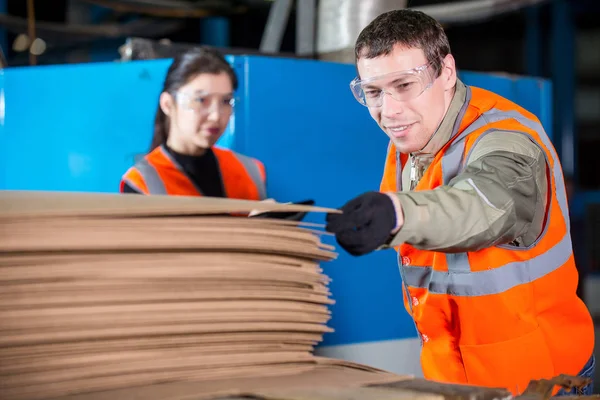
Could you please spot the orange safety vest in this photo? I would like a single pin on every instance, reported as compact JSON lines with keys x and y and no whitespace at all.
{"x":158,"y":173}
{"x":500,"y":316}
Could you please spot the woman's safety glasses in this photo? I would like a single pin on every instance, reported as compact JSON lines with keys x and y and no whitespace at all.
{"x":401,"y":85}
{"x":205,"y":103}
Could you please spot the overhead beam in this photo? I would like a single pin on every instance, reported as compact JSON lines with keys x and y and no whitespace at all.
{"x":305,"y":27}
{"x":277,"y":20}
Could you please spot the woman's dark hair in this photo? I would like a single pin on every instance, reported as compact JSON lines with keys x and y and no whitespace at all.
{"x":185,"y":67}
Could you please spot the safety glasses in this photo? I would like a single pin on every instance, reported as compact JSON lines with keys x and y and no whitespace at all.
{"x":400,"y":85}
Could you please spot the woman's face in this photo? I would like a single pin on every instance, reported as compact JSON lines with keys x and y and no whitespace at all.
{"x":199,"y":112}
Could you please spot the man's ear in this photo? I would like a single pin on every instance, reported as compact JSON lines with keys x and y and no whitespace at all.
{"x":448,"y":73}
{"x":166,"y":102}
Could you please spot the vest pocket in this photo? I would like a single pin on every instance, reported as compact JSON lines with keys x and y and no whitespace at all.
{"x":509,"y":364}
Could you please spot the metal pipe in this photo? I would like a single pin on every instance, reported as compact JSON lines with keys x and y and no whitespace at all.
{"x":340,"y":21}
{"x":474,"y":10}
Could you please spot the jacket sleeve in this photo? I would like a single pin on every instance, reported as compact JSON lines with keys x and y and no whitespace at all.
{"x":499,"y":198}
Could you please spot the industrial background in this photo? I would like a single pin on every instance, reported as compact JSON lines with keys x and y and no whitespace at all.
{"x":80,"y":81}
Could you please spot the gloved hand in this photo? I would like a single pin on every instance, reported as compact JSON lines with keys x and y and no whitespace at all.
{"x":366,"y":224}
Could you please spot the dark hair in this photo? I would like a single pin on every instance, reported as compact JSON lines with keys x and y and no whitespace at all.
{"x":185,"y":67}
{"x":406,"y":27}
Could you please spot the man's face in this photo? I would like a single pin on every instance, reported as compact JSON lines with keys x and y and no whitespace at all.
{"x":408,"y":121}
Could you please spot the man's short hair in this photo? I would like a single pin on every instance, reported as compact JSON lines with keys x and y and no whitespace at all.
{"x":407,"y":28}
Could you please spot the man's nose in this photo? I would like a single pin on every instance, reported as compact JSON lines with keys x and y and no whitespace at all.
{"x":390,"y":106}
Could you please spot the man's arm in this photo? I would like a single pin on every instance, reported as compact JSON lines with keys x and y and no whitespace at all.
{"x":500,"y":197}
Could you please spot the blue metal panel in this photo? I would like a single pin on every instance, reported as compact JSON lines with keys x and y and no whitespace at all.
{"x":77,"y":126}
{"x":80,"y":127}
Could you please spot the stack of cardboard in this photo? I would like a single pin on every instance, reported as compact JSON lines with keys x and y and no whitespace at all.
{"x":127,"y":297}
{"x":100,"y":292}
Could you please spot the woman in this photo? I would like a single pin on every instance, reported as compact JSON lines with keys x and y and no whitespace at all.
{"x":194,"y":109}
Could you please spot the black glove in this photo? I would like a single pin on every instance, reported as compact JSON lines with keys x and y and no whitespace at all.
{"x":366,"y":223}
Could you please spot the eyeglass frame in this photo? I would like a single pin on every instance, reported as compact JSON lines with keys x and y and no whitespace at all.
{"x":179,"y":95}
{"x":413,"y":71}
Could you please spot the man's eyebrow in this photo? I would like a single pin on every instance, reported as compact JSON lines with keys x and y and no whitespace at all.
{"x":398,"y":80}
{"x":371,"y":86}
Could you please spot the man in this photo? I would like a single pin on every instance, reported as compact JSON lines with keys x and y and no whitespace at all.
{"x":473,"y":200}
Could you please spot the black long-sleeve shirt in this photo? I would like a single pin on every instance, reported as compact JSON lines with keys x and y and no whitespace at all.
{"x":202,"y":170}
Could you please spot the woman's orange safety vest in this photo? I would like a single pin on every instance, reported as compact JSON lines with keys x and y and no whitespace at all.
{"x":158,"y":173}
{"x":501,"y":316}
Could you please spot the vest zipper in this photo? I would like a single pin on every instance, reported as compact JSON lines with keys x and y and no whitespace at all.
{"x":413,"y":183}
{"x":413,"y":172}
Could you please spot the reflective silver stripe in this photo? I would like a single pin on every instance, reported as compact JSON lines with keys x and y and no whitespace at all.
{"x":460,"y":280}
{"x":490,"y":281}
{"x":495,"y":115}
{"x":254,"y":172}
{"x":153,"y":182}
{"x":458,"y":262}
{"x":453,"y":156}
{"x":453,"y":159}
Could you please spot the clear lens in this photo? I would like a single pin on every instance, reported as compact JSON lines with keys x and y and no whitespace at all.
{"x":402,"y":86}
{"x":206,"y":103}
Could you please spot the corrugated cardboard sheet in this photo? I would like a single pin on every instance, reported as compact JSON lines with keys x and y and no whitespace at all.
{"x":153,"y":297}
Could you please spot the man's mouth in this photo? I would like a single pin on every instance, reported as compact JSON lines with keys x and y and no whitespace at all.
{"x":399,"y":130}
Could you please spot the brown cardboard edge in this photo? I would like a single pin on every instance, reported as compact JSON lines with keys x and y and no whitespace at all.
{"x":51,"y":203}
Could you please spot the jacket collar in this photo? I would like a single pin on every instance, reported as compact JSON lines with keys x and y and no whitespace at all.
{"x":445,"y":130}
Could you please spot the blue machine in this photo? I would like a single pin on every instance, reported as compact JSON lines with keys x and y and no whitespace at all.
{"x":79,"y":127}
